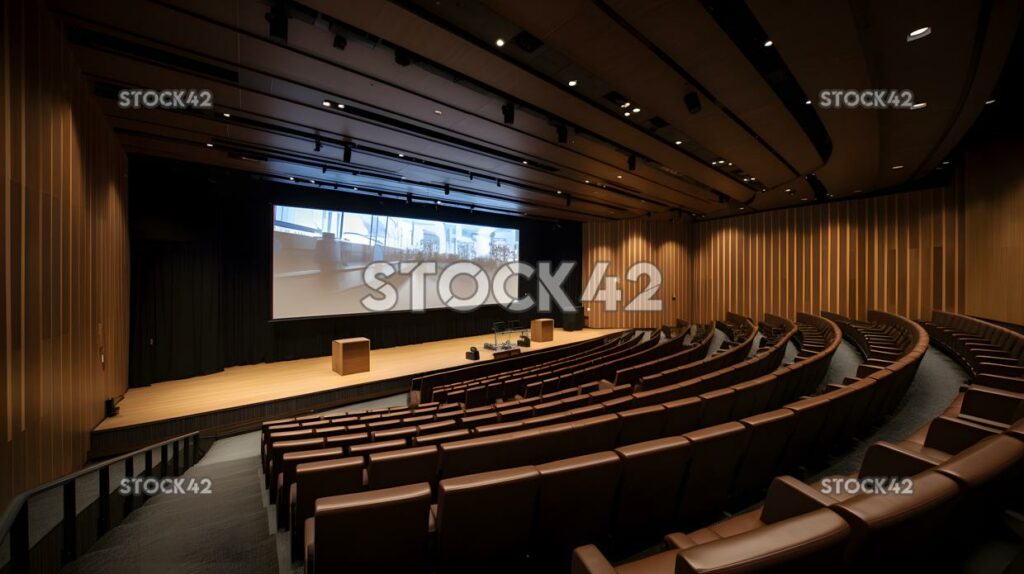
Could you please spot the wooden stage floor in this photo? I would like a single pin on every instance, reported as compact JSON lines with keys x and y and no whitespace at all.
{"x":251,"y":384}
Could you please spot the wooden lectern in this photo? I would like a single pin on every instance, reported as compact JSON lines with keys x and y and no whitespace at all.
{"x":542,"y":330}
{"x":350,"y":355}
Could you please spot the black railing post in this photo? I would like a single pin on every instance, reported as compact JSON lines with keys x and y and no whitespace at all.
{"x":149,"y":463}
{"x":69,"y":525}
{"x":163,"y":459}
{"x":129,"y":472}
{"x":19,"y":541}
{"x":175,"y":451}
{"x":103,"y":524}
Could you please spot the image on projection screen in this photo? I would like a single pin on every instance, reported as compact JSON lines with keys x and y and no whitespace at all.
{"x":320,"y":257}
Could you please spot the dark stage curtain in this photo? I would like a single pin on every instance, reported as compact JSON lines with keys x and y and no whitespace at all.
{"x":201,"y":273}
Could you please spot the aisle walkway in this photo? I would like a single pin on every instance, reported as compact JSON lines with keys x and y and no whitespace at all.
{"x":225,"y":531}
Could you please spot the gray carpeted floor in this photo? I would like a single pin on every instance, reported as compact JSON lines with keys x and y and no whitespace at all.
{"x":221,"y":532}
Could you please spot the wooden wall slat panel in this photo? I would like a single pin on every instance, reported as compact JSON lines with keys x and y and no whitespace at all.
{"x":65,"y":255}
{"x":846,"y":257}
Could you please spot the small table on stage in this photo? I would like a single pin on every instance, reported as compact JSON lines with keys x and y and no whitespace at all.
{"x":350,"y":355}
{"x":542,"y":330}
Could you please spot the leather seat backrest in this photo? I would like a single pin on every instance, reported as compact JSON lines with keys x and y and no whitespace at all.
{"x":403,"y":466}
{"x":716,"y":452}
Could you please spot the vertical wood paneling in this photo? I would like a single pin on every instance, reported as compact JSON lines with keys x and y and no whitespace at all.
{"x":994,"y":222}
{"x":65,"y":255}
{"x":846,"y":257}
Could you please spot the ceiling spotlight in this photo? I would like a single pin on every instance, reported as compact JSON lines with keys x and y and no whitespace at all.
{"x":919,"y":33}
{"x":341,"y":106}
{"x":437,"y":202}
{"x":989,"y":102}
{"x":312,"y":181}
{"x":618,"y":177}
{"x":499,"y":42}
{"x":919,"y":105}
{"x":803,"y":199}
{"x":789,"y":190}
{"x":209,"y":145}
{"x":679,"y":142}
{"x":227,"y":115}
{"x":625,"y":105}
{"x":438,"y":112}
{"x":945,"y":162}
{"x":525,"y":162}
{"x":627,"y":114}
{"x":327,"y":103}
{"x":291,"y":178}
{"x":768,"y":44}
{"x":807,"y":103}
{"x":586,"y":181}
{"x":558,"y":191}
{"x":572,"y":83}
{"x":401,"y":155}
{"x":354,"y":188}
{"x":897,"y":167}
{"x":742,"y":208}
{"x":636,"y":110}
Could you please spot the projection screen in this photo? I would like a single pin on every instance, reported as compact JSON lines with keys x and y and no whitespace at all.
{"x":320,"y":256}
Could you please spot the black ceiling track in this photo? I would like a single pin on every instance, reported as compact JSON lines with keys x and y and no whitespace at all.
{"x":739,"y":23}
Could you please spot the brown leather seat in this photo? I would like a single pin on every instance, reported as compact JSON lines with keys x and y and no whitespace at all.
{"x":718,"y":407}
{"x":483,"y":520}
{"x":574,"y":505}
{"x":809,"y":543}
{"x":682,"y":415}
{"x":810,"y":415}
{"x":286,"y":476}
{"x":642,"y":423}
{"x":441,"y":437}
{"x":752,"y":397}
{"x":368,"y":448}
{"x":370,"y":532}
{"x":590,"y":435}
{"x":715,"y":454}
{"x":402,"y":466}
{"x":315,"y":480}
{"x":769,"y":435}
{"x":347,"y":440}
{"x":652,"y":475}
{"x":990,"y":474}
{"x":277,"y":450}
{"x":890,"y":531}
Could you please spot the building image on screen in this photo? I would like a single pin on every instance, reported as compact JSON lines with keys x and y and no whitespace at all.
{"x":320,"y":257}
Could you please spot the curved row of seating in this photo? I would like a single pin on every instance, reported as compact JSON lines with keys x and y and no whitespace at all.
{"x":993,"y":355}
{"x":423,"y":386}
{"x":630,"y":374}
{"x":488,"y":491}
{"x":473,"y":392}
{"x":801,"y":528}
{"x":732,"y":352}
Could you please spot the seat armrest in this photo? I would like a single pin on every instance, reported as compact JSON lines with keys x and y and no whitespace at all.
{"x":679,"y":541}
{"x":310,"y":554}
{"x":891,"y":460}
{"x":952,"y":435}
{"x":589,"y":560}
{"x":996,"y":405}
{"x":1012,"y":384}
{"x":1005,"y":361}
{"x":1000,"y":369}
{"x":788,"y":497}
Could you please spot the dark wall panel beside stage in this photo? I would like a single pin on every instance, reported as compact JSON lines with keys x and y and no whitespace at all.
{"x":63,"y":219}
{"x":201,"y":273}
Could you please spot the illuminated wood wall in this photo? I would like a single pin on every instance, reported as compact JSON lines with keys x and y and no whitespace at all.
{"x":623,"y":243}
{"x":995,"y":226}
{"x":902,"y":253}
{"x":64,"y":258}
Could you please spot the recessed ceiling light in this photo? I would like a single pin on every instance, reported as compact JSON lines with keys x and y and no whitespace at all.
{"x":312,"y":181}
{"x":401,"y":155}
{"x":789,"y":190}
{"x":897,"y":167}
{"x":209,"y":145}
{"x":572,"y":83}
{"x":807,"y":103}
{"x":857,"y":190}
{"x":742,"y":208}
{"x":619,"y":176}
{"x":627,"y":114}
{"x":626,"y":105}
{"x":636,"y":110}
{"x":525,"y":162}
{"x":327,"y":103}
{"x":354,"y":188}
{"x":438,"y":112}
{"x":586,"y":181}
{"x":945,"y":162}
{"x":227,"y":115}
{"x":558,"y":191}
{"x":919,"y":105}
{"x":341,"y":106}
{"x":919,"y":33}
{"x":292,"y":178}
{"x":768,"y":44}
{"x":989,"y":102}
{"x":679,"y":142}
{"x":803,"y":199}
{"x":499,"y":42}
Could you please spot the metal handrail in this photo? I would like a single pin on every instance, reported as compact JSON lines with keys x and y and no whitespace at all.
{"x":14,"y":520}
